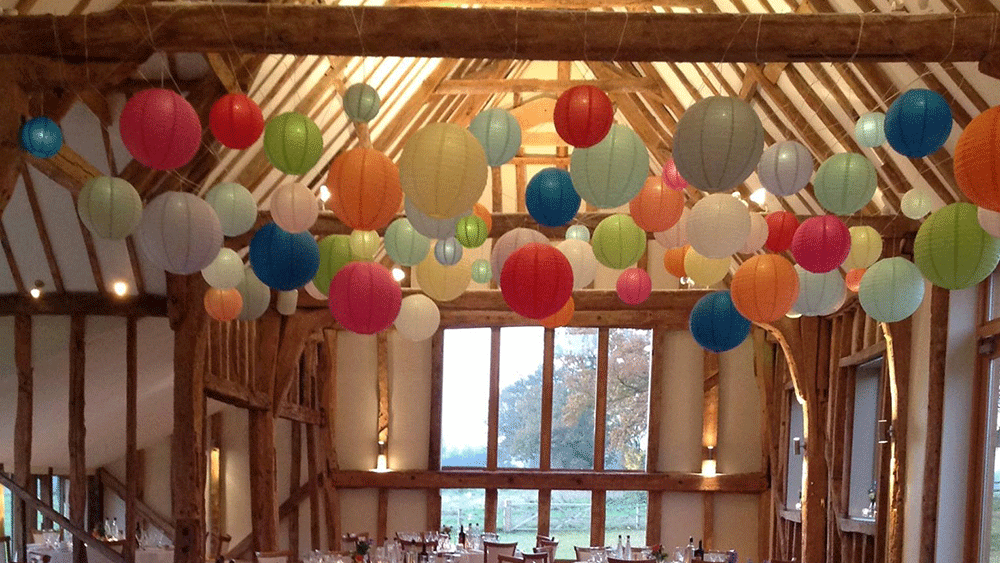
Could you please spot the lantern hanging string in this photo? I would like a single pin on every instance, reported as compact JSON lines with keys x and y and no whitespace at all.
{"x":232,"y":42}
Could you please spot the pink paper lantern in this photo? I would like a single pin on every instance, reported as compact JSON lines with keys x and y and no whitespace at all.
{"x":364,"y":297}
{"x":160,"y":129}
{"x":671,"y":177}
{"x":821,"y":244}
{"x":634,"y":286}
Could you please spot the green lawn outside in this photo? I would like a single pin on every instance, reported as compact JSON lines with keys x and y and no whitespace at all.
{"x":995,"y":529}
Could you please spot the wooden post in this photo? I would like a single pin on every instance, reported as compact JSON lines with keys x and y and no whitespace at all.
{"x":598,"y":499}
{"x":263,"y":482}
{"x":710,"y":436}
{"x":497,"y":189}
{"x":294,"y":479}
{"x":312,"y":375}
{"x":433,"y":521}
{"x":216,"y":490}
{"x":22,"y":429}
{"x":77,"y":431}
{"x":654,"y":504}
{"x":131,"y":422}
{"x":492,"y":433}
{"x":329,"y":442}
{"x":935,"y":419}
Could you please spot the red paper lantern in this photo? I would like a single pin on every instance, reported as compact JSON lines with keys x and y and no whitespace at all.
{"x":821,"y":244}
{"x":853,"y":279}
{"x":160,"y":129}
{"x":781,"y":227}
{"x":583,"y":116}
{"x":223,"y":304}
{"x":656,"y":208}
{"x":364,"y":297}
{"x":673,"y":260}
{"x":536,"y":280}
{"x":364,"y":189}
{"x":764,"y":288}
{"x":236,"y":121}
{"x":562,"y":317}
{"x":634,"y":286}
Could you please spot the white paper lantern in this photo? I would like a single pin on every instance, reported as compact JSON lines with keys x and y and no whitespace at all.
{"x":235,"y":206}
{"x":363,"y":245}
{"x":718,"y":143}
{"x":294,"y":208}
{"x":313,"y":292}
{"x":429,"y":226}
{"x":989,"y":221}
{"x":256,"y":295}
{"x":785,"y":168}
{"x":581,"y":259}
{"x":448,"y":251}
{"x":180,"y":232}
{"x":675,"y":236}
{"x":916,"y":203}
{"x":288,"y":302}
{"x":225,"y":271}
{"x":109,"y":207}
{"x":419,"y":318}
{"x":705,"y":271}
{"x":870,"y":129}
{"x":818,"y":293}
{"x":718,"y":226}
{"x":758,"y":234}
{"x":866,"y":248}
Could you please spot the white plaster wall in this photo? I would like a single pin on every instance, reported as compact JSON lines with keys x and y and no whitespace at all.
{"x":683,"y":517}
{"x":357,"y":402}
{"x":683,"y":398}
{"x":916,"y":427}
{"x":739,"y":448}
{"x":736,"y":522}
{"x":410,"y":394}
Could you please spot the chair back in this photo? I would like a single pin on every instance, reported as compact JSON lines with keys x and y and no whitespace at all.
{"x":417,"y":546}
{"x":275,"y":557}
{"x":491,"y":550}
{"x":549,"y":545}
{"x":539,"y":556}
{"x":509,"y":559}
{"x":583,"y":553}
{"x":540,"y":539}
{"x":5,"y":540}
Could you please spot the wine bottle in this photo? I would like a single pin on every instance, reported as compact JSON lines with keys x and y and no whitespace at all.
{"x":689,"y":550}
{"x":424,"y":557}
{"x":699,"y":553}
{"x":618,"y":549}
{"x":461,"y":535}
{"x":628,"y":548}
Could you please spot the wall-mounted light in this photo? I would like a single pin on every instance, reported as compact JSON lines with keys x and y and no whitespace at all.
{"x":708,"y":465}
{"x":381,"y":462}
{"x":120,"y":288}
{"x":36,"y":291}
{"x":798,"y":446}
{"x":884,"y":431}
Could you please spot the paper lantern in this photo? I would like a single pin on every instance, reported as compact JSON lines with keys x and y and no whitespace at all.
{"x":510,"y":241}
{"x":550,"y":197}
{"x":283,"y":260}
{"x":671,"y":177}
{"x":419,"y":318}
{"x":294,"y":208}
{"x":288,"y":302}
{"x":989,"y":221}
{"x":583,"y":116}
{"x":818,"y":293}
{"x":677,"y":235}
{"x":225,"y":271}
{"x":845,"y":183}
{"x":404,"y":244}
{"x":611,"y":172}
{"x":443,"y":283}
{"x":718,"y":143}
{"x":361,"y":102}
{"x":781,"y":227}
{"x":364,"y":189}
{"x":562,"y":317}
{"x":977,"y":160}
{"x":656,"y":208}
{"x":673,"y":260}
{"x":891,"y":290}
{"x":481,"y":272}
{"x":448,"y":251}
{"x":758,"y":234}
{"x":223,"y":304}
{"x":292,"y":143}
{"x":578,"y":232}
{"x":853,"y":279}
{"x":364,"y":297}
{"x":256,"y":296}
{"x":160,"y":129}
{"x":429,"y":226}
{"x":916,"y":203}
{"x":704,"y":271}
{"x":471,"y":231}
{"x":634,"y":286}
{"x":41,"y":137}
{"x":536,"y":281}
{"x":952,"y":250}
{"x":236,"y":121}
{"x":764,"y":288}
{"x":109,"y":207}
{"x":618,"y":242}
{"x":180,"y":232}
{"x":785,"y":168}
{"x":313,"y":292}
{"x":479,"y":210}
{"x":581,"y":260}
{"x":364,"y":245}
{"x":866,"y":247}
{"x":821,"y":244}
{"x":498,"y":131}
{"x":918,"y":123}
{"x":716,"y":324}
{"x":235,"y":206}
{"x":334,"y":254}
{"x":443,"y":170}
{"x":870,"y":129}
{"x":718,"y":226}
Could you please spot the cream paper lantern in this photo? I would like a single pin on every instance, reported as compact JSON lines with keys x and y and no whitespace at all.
{"x":443,"y":170}
{"x":866,"y":248}
{"x":916,"y":203}
{"x":758,"y":234}
{"x":288,"y":302}
{"x":294,"y":208}
{"x":313,"y":292}
{"x":225,"y":271}
{"x":581,"y":260}
{"x":256,"y":295}
{"x":418,"y":319}
{"x":109,"y":207}
{"x":363,"y":245}
{"x":718,"y":226}
{"x":235,"y":206}
{"x":444,"y":283}
{"x":989,"y":220}
{"x":705,"y":271}
{"x":676,"y":236}
{"x":819,"y":294}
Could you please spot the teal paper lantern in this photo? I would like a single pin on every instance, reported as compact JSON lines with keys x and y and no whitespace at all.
{"x":891,"y":290}
{"x":845,"y":183}
{"x":550,"y":197}
{"x":361,"y":102}
{"x":404,"y":244}
{"x":870,"y":129}
{"x":952,"y":250}
{"x":499,"y":133}
{"x":41,"y":137}
{"x":481,"y":272}
{"x":613,"y":171}
{"x":283,"y":261}
{"x":716,"y":324}
{"x":918,"y":123}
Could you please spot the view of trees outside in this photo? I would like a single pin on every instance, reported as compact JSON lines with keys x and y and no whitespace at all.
{"x":519,"y":436}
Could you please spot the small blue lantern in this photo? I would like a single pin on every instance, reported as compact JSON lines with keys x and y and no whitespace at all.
{"x":41,"y":137}
{"x":716,"y":324}
{"x":283,"y":261}
{"x":550,"y":197}
{"x":918,"y":123}
{"x":448,"y":251}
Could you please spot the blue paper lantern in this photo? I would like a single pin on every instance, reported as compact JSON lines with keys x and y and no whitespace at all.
{"x":499,"y":133}
{"x":716,"y":324}
{"x":918,"y":123}
{"x":448,"y":251}
{"x":578,"y":232}
{"x":550,"y":197}
{"x":41,"y":137}
{"x":282,"y":260}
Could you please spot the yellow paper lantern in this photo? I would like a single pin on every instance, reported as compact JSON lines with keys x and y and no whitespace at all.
{"x":444,"y":283}
{"x":443,"y":170}
{"x":705,"y":271}
{"x":866,"y":248}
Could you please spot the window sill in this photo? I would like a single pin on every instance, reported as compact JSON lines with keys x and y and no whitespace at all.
{"x":792,"y":515}
{"x":856,"y":525}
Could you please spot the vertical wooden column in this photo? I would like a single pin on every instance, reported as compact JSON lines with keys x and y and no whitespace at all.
{"x":545,"y":439}
{"x":492,"y":423}
{"x":294,"y":479}
{"x":312,"y":375}
{"x":709,"y":437}
{"x":978,"y":431}
{"x":497,"y":189}
{"x":77,"y":431}
{"x":382,"y":373}
{"x":654,"y":503}
{"x":935,"y":419}
{"x":434,"y":445}
{"x":599,"y":499}
{"x":131,"y":423}
{"x":216,"y":488}
{"x":263,"y":481}
{"x":328,"y":441}
{"x":898,"y":338}
{"x":22,"y":429}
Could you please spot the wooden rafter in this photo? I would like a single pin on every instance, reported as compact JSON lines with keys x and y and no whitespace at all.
{"x":499,"y":85}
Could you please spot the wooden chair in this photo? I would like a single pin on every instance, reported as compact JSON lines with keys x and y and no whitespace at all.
{"x":541,"y":555}
{"x":509,"y":559}
{"x":224,"y":541}
{"x":616,"y":560}
{"x":491,"y":550}
{"x":550,"y":545}
{"x":540,"y":539}
{"x":417,"y":546}
{"x":275,"y":557}
{"x":6,"y":548}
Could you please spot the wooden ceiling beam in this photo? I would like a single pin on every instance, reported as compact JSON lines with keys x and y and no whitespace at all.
{"x":522,"y":85}
{"x":43,"y":232}
{"x":501,"y":33}
{"x":50,"y":303}
{"x":66,"y":168}
{"x":632,"y":5}
{"x":13,"y":112}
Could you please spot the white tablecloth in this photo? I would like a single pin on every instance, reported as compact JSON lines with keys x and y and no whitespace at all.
{"x":465,"y":556}
{"x":94,"y":556}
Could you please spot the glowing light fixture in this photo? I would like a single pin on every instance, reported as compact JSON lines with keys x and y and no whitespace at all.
{"x":759,"y":196}
{"x":324,"y":193}
{"x":120,"y":288}
{"x":708,"y":465}
{"x":398,"y":274}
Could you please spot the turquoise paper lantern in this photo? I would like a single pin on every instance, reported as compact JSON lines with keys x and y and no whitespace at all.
{"x":918,"y":123}
{"x":41,"y":137}
{"x":952,"y":250}
{"x":404,"y":244}
{"x":361,"y":102}
{"x":891,"y":290}
{"x":870,"y":129}
{"x":716,"y":324}
{"x":499,"y":133}
{"x":845,"y":183}
{"x":613,"y":171}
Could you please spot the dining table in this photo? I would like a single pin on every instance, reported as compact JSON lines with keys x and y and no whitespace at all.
{"x":64,"y":554}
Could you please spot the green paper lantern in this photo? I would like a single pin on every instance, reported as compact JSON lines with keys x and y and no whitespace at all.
{"x":361,"y":102}
{"x":845,"y":183}
{"x":110,"y":207}
{"x":618,"y":242}
{"x":404,"y":244}
{"x":891,"y":290}
{"x":364,"y":245}
{"x":292,"y":143}
{"x":471,"y":231}
{"x":952,"y":250}
{"x":334,"y":254}
{"x":613,"y":171}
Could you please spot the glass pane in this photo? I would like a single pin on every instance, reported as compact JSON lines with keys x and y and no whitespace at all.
{"x":465,"y":396}
{"x":462,"y":507}
{"x":569,"y":521}
{"x":575,"y":378}
{"x":627,"y":420}
{"x":867,"y":382}
{"x":793,"y":493}
{"x":520,"y":396}
{"x":991,"y":488}
{"x":626,"y":517}
{"x":517,"y":517}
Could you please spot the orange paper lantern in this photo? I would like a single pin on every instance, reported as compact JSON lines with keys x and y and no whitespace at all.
{"x":223,"y":304}
{"x":977,"y":160}
{"x":764,"y":288}
{"x":673,"y":260}
{"x":562,"y":317}
{"x":364,"y":189}
{"x":853,"y":279}
{"x":656,"y":208}
{"x":484,"y":214}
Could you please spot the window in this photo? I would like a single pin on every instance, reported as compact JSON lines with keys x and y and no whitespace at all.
{"x":517,"y":517}
{"x":867,"y":396}
{"x":462,"y":507}
{"x":796,"y":432}
{"x":569,"y":521}
{"x":465,"y":389}
{"x":575,"y":388}
{"x":518,"y":440}
{"x":627,"y":418}
{"x":626,"y":516}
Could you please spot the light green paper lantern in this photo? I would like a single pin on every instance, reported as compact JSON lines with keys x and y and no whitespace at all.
{"x":110,"y":207}
{"x":471,"y":231}
{"x":334,"y":254}
{"x":292,"y":143}
{"x":952,"y":250}
{"x":499,"y":133}
{"x":404,"y":244}
{"x":364,"y":245}
{"x":256,"y":295}
{"x":235,"y":206}
{"x":361,"y":102}
{"x":618,"y":242}
{"x":891,"y":290}
{"x":870,"y":129}
{"x":481,"y":272}
{"x":818,"y":293}
{"x":612,"y":172}
{"x":845,"y":183}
